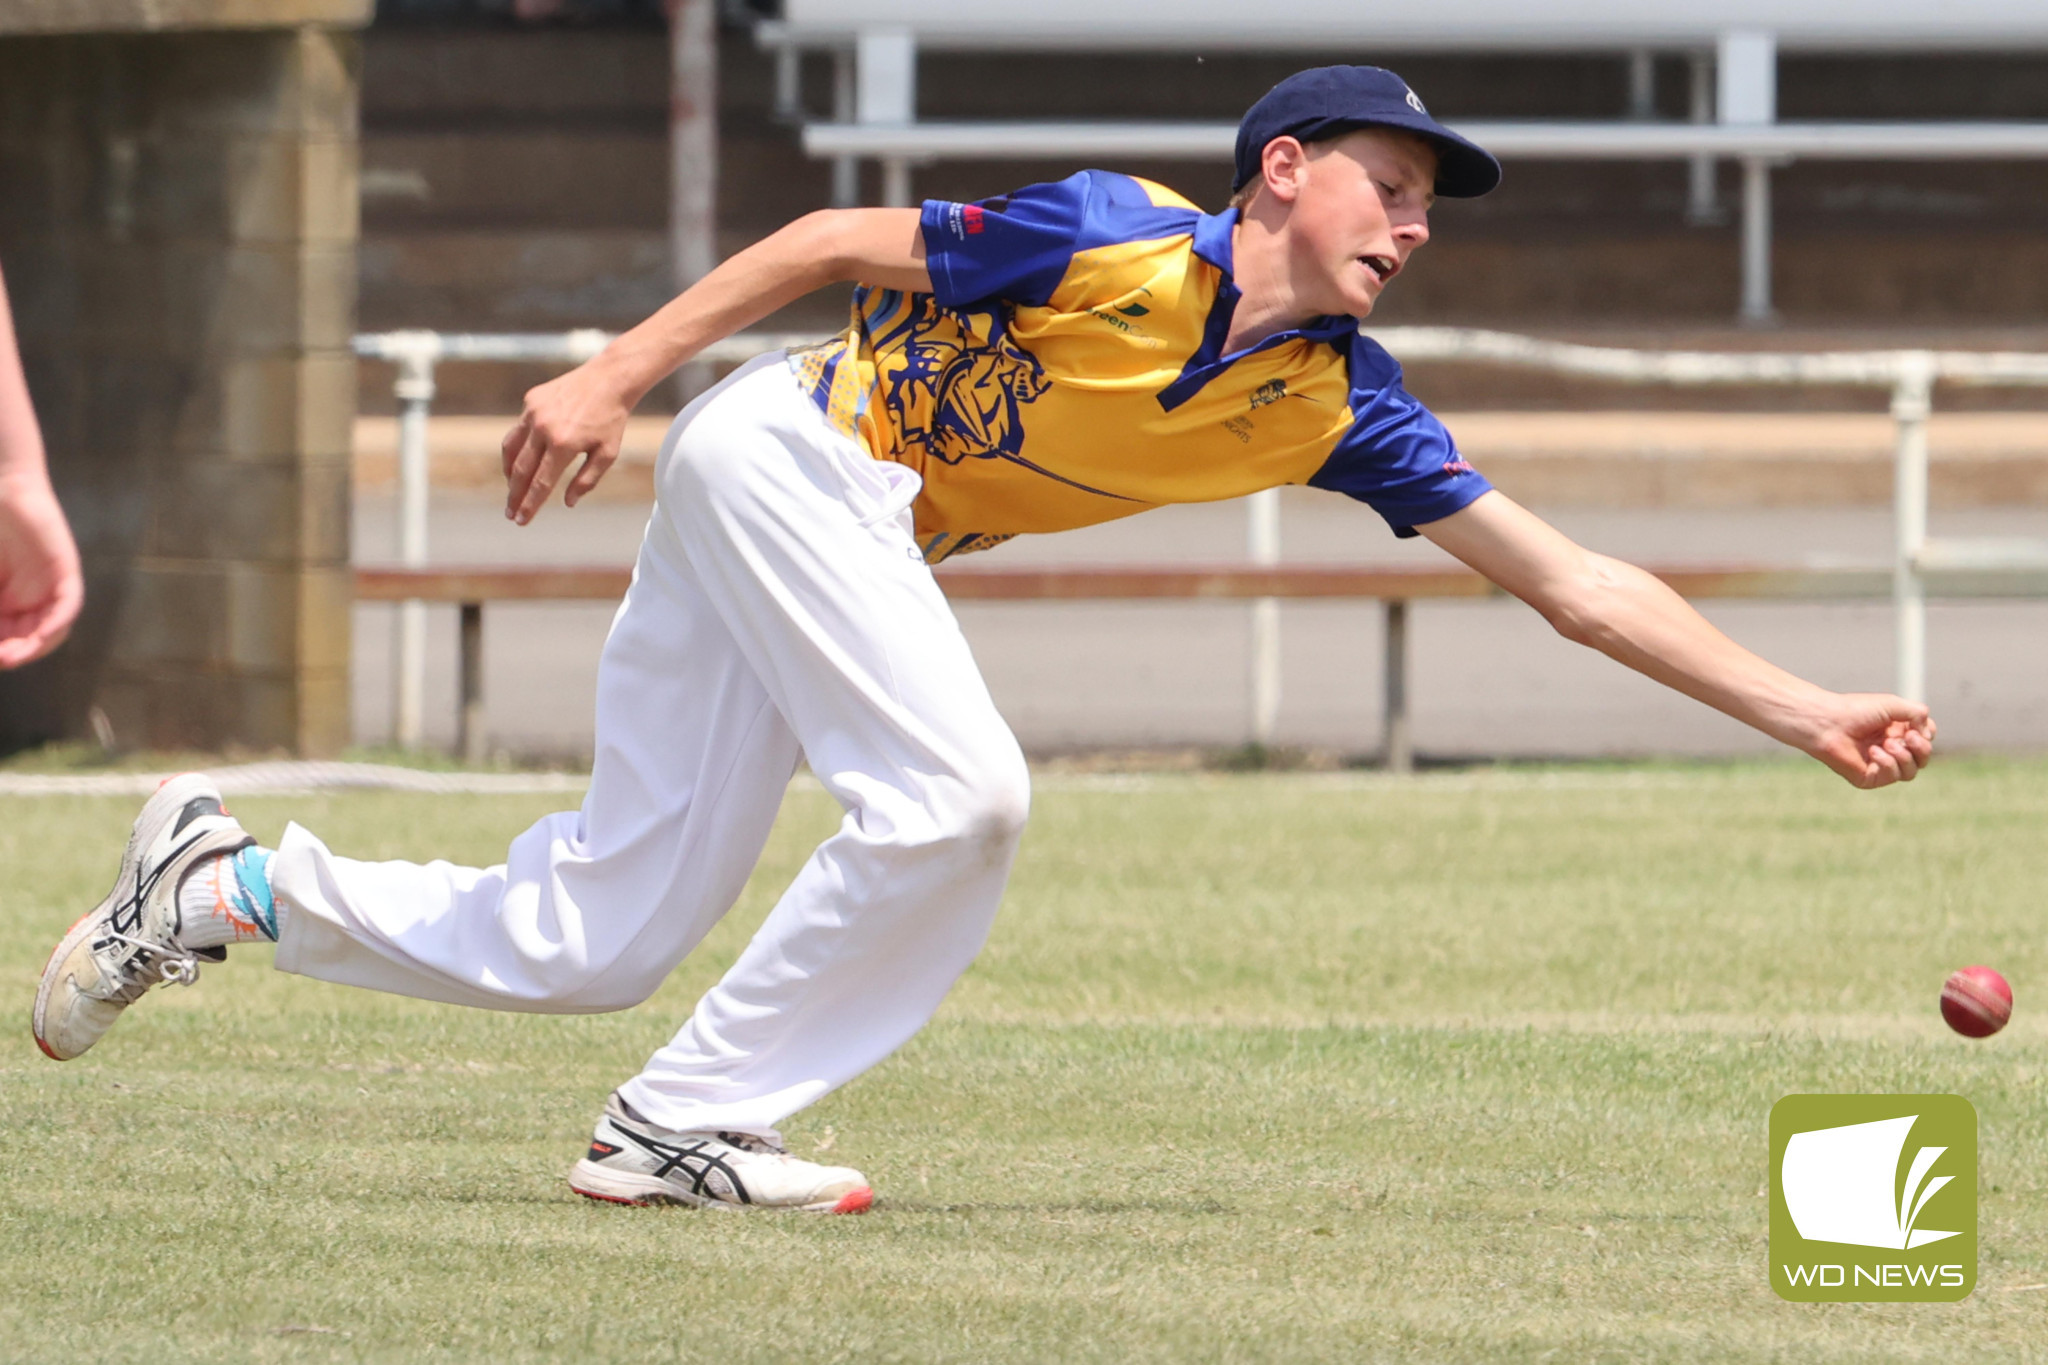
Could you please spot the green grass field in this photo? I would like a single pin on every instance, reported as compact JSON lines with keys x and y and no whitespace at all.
{"x":1474,"y":1067}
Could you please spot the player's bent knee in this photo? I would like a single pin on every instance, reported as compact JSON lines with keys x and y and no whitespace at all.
{"x":993,"y":804}
{"x":1008,"y":802}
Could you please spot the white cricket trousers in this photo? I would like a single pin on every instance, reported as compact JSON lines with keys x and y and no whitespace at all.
{"x":779,"y":609}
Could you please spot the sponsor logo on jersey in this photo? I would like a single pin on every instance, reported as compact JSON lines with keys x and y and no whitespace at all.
{"x":968,"y":220}
{"x":1133,"y":309}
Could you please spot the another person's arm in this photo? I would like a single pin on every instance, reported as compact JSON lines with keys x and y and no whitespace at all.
{"x":1871,"y":739}
{"x":583,"y":413}
{"x":41,"y":588}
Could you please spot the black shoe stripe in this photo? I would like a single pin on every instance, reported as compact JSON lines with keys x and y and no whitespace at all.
{"x":195,"y":808}
{"x":126,"y":918}
{"x":679,"y":1156}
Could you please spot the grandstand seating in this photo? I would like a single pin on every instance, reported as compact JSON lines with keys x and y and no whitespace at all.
{"x":1735,"y":44}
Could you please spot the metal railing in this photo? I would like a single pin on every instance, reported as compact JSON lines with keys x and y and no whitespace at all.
{"x":468,"y":588}
{"x":1919,"y":563}
{"x":1910,"y":377}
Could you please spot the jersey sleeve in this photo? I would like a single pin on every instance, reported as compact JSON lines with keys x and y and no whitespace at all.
{"x":1015,"y":246}
{"x":1396,"y":457}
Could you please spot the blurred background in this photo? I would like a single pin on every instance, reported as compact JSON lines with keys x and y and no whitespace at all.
{"x":202,"y":211}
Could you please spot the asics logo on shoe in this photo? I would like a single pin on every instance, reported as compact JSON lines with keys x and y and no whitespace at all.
{"x":126,"y":917}
{"x":708,"y":1169}
{"x":600,"y":1150}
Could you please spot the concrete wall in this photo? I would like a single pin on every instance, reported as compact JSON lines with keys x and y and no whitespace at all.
{"x":179,"y":230}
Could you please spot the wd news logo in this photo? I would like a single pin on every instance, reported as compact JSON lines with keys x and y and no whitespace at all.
{"x":1873,"y":1198}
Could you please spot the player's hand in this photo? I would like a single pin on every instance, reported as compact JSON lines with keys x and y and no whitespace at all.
{"x":1871,"y":739}
{"x":581,"y":414}
{"x":41,"y":588}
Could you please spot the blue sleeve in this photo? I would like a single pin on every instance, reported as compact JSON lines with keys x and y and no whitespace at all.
{"x":1017,"y":246}
{"x":1397,"y":456}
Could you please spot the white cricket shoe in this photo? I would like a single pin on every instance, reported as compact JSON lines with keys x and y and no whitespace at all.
{"x":129,"y":943}
{"x":633,"y":1162}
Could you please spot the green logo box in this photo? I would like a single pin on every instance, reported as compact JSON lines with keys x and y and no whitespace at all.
{"x":1873,"y":1198}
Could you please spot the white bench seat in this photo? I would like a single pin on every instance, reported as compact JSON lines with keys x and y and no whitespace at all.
{"x":1733,"y":45}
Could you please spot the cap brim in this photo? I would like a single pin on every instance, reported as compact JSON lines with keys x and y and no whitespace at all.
{"x":1464,"y":169}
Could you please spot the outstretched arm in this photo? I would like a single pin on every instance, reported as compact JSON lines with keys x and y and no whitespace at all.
{"x":583,"y":413}
{"x":41,"y":588}
{"x":1871,"y":739}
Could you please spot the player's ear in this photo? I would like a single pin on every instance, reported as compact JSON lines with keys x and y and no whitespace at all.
{"x":1281,"y":165}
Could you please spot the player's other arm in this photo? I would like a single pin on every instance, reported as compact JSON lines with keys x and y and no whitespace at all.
{"x":583,"y":413}
{"x":1871,"y":739}
{"x":41,"y":588}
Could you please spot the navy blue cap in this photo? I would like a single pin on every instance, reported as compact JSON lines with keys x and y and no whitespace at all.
{"x":1329,"y":100}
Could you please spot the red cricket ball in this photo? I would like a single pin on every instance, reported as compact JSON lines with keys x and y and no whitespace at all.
{"x":1976,"y":1002}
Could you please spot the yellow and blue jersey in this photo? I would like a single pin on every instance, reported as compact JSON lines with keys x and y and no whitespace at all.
{"x":1068,"y":368}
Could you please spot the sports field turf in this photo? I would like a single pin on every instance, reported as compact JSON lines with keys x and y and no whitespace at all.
{"x":1474,"y":1067}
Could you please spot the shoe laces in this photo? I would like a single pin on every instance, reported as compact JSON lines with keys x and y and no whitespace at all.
{"x":146,"y":963}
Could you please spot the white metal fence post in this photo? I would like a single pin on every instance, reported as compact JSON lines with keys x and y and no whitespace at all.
{"x":1702,"y":204}
{"x":1756,"y":240}
{"x":845,"y":169}
{"x":692,"y":140}
{"x":693,"y":158}
{"x":414,"y":390}
{"x":1262,"y":537}
{"x":1746,"y":96}
{"x":1642,"y":83}
{"x":1912,"y":402}
{"x":789,"y":84}
{"x":1395,"y":742}
{"x":885,"y":82}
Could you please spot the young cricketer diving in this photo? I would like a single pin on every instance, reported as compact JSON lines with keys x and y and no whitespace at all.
{"x":1063,"y":355}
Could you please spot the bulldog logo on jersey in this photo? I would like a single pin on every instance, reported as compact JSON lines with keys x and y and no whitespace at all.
{"x":962,"y":388}
{"x":972,"y":392}
{"x":981,"y":398}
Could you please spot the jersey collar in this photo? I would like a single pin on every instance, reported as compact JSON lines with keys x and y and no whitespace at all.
{"x":1212,"y":238}
{"x":1212,"y":244}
